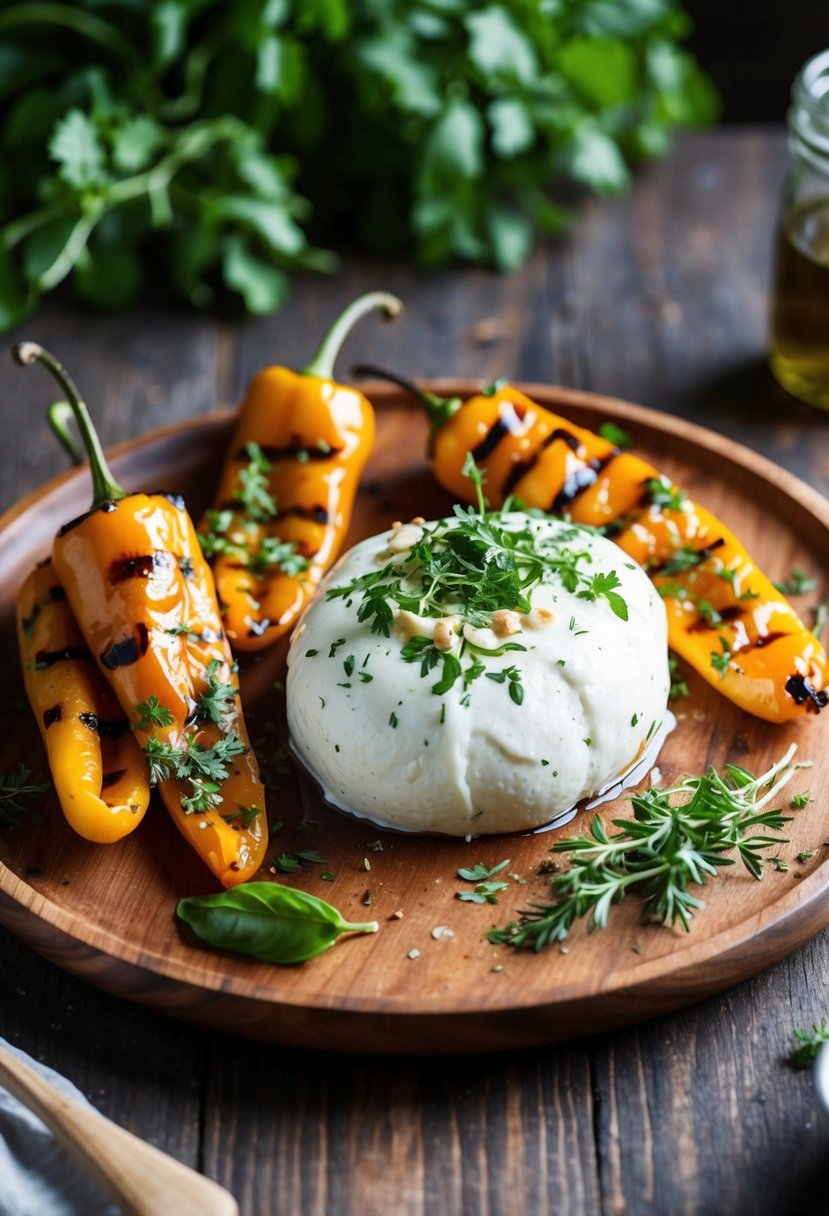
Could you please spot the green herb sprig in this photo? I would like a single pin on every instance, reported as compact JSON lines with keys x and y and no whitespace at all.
{"x":798,"y":583}
{"x":17,"y":789}
{"x":228,"y":531}
{"x":679,"y":838}
{"x":809,"y":1043}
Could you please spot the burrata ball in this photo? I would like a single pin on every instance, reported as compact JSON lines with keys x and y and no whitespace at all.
{"x":478,"y":674}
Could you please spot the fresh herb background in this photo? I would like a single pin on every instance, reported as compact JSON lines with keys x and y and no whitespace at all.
{"x":204,"y":149}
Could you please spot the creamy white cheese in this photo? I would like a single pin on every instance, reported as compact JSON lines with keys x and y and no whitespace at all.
{"x":473,"y":761}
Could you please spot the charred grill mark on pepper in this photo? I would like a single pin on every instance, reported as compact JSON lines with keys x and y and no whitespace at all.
{"x":507,"y":423}
{"x":52,"y":715}
{"x":112,"y":728}
{"x":523,"y":467}
{"x":142,"y":566}
{"x":47,"y":658}
{"x":130,"y":650}
{"x":802,"y":692}
{"x":579,"y":481}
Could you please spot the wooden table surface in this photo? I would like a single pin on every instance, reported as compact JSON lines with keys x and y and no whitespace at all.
{"x":662,"y":298}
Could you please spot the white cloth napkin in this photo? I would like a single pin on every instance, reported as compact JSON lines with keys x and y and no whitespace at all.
{"x":37,"y":1176}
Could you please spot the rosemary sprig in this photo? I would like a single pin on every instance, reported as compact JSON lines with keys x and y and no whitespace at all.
{"x":678,"y":838}
{"x":16,"y":790}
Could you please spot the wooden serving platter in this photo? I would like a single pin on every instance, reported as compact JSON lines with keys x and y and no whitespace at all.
{"x":106,"y":913}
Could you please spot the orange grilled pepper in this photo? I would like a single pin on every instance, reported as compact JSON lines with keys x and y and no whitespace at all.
{"x":144,"y":600}
{"x":725,"y":618}
{"x":99,"y":772}
{"x":287,"y":488}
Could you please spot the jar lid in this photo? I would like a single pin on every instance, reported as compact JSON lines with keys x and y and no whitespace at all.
{"x":809,"y":113}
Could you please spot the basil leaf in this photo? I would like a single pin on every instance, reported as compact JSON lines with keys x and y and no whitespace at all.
{"x":269,"y":922}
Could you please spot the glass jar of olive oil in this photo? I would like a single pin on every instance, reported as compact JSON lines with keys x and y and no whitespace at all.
{"x":800,"y":316}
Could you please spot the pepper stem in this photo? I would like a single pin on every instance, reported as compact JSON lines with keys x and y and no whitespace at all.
{"x":58,"y":416}
{"x":438,"y":409}
{"x":104,"y":486}
{"x":322,"y":364}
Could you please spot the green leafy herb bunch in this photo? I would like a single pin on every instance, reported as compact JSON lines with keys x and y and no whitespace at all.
{"x":200,"y":147}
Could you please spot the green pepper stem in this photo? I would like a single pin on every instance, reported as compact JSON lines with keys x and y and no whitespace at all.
{"x":58,"y":416}
{"x":322,"y":364}
{"x":438,"y":409}
{"x":104,"y":486}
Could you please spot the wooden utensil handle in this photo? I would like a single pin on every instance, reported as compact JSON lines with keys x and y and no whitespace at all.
{"x":142,"y":1179}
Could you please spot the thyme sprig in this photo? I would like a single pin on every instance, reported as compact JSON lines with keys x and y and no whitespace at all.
{"x":678,"y":839}
{"x":17,"y":788}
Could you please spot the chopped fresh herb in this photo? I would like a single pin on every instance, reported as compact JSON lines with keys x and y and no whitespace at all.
{"x":253,"y":494}
{"x":805,"y":855}
{"x":479,"y":872}
{"x":286,"y":863}
{"x":615,"y":435}
{"x":484,"y":893}
{"x":376,"y":846}
{"x":604,"y":585}
{"x":328,"y":876}
{"x":679,"y":686}
{"x":798,"y":583}
{"x":662,"y":494}
{"x":16,"y":790}
{"x":708,"y":613}
{"x":799,"y":801}
{"x":634,"y":720}
{"x":809,"y":1044}
{"x":311,"y":654}
{"x":218,"y":700}
{"x":821,"y":615}
{"x":777,"y":863}
{"x":335,"y":646}
{"x":393,"y":720}
{"x":721,"y":662}
{"x":685,"y":557}
{"x":203,"y":767}
{"x":245,"y":816}
{"x":152,"y":713}
{"x":348,"y":665}
{"x":680,"y":837}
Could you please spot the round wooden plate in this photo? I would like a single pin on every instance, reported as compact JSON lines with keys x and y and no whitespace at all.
{"x":106,"y":913}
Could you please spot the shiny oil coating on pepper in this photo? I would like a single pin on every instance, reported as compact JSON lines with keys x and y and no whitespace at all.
{"x":98,"y":769}
{"x":316,"y":436}
{"x":748,"y":642}
{"x":133,"y":572}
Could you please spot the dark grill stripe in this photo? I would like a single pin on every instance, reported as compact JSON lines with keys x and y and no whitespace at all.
{"x":799,"y":688}
{"x":508,"y":423}
{"x":51,"y":716}
{"x":143,"y":566}
{"x":46,"y":658}
{"x":580,"y":481}
{"x":523,"y":467}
